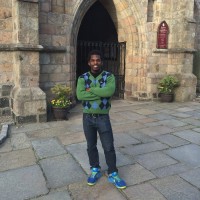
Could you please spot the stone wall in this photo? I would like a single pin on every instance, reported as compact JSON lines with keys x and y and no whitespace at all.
{"x":5,"y":103}
{"x":54,"y":37}
{"x":38,"y":42}
{"x":137,"y":24}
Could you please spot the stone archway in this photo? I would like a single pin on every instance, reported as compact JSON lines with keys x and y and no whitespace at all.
{"x":129,"y":28}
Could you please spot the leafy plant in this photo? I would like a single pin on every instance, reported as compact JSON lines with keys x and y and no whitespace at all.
{"x":168,"y":84}
{"x":62,"y":96}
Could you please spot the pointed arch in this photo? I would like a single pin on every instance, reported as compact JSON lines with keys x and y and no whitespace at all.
{"x":129,"y":21}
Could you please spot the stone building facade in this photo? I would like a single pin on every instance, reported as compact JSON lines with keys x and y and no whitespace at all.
{"x":38,"y":46}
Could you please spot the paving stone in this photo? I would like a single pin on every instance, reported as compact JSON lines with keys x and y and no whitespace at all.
{"x":182,"y":128}
{"x":141,"y":136}
{"x":126,"y":126}
{"x":151,"y":124}
{"x":74,"y":128}
{"x":119,"y":119}
{"x":59,"y":171}
{"x":62,"y":195}
{"x":6,"y":146}
{"x":175,"y":188}
{"x":146,"y":111}
{"x":29,"y":127}
{"x":192,"y":177}
{"x":188,"y":154}
{"x":172,"y":123}
{"x":135,"y":174}
{"x":79,"y":152}
{"x":156,"y":130}
{"x":23,"y":183}
{"x":131,"y":115}
{"x":181,"y":115}
{"x":16,"y":159}
{"x":195,"y":113}
{"x":184,"y":109}
{"x":134,"y":150}
{"x":124,"y":140}
{"x":189,"y":135}
{"x":192,"y":121}
{"x":48,"y":133}
{"x":196,"y":129}
{"x":143,"y":192}
{"x":103,"y":190}
{"x":171,"y":140}
{"x":160,"y":116}
{"x":20,"y":141}
{"x":155,"y":160}
{"x":146,"y":120}
{"x":170,"y":170}
{"x":72,"y":138}
{"x":47,"y":148}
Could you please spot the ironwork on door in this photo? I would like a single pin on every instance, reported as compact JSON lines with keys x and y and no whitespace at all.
{"x":114,"y":60}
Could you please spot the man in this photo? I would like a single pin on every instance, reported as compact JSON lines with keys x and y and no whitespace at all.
{"x":95,"y":89}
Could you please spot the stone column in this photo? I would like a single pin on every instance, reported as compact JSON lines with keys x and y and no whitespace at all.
{"x":28,"y":100}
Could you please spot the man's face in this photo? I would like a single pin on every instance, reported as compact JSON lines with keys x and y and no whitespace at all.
{"x":95,"y":63}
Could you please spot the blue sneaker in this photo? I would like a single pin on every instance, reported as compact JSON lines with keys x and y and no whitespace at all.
{"x":95,"y":175}
{"x":116,"y":180}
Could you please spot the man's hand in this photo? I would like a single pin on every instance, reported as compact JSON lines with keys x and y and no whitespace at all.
{"x":87,"y":89}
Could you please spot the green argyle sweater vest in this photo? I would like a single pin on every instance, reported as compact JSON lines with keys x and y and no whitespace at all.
{"x":98,"y":99}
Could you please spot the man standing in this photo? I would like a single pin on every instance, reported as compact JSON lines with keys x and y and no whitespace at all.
{"x":95,"y":89}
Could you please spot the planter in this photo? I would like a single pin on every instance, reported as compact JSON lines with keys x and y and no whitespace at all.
{"x":166,"y":97}
{"x":60,"y":113}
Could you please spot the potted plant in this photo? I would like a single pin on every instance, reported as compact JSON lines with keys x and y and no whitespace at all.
{"x":166,"y":88}
{"x":61,"y":102}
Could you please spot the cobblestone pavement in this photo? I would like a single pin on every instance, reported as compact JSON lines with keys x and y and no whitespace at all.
{"x":157,"y":146}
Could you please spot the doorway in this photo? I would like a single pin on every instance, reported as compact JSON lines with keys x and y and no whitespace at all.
{"x":97,"y":31}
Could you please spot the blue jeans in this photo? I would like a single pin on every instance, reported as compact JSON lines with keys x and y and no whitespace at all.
{"x":102,"y":125}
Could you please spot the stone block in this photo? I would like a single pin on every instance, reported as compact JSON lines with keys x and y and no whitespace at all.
{"x":4,"y":102}
{"x":20,"y":141}
{"x":155,"y":160}
{"x":58,"y":9}
{"x":59,"y":40}
{"x":5,"y":37}
{"x":45,"y":7}
{"x":45,"y":40}
{"x":33,"y":183}
{"x":58,"y":58}
{"x":61,"y":195}
{"x":52,"y":69}
{"x":173,"y":187}
{"x":43,"y":118}
{"x":17,"y":159}
{"x":58,"y":170}
{"x":25,"y":119}
{"x":45,"y":58}
{"x":45,"y":148}
{"x":49,"y":29}
{"x":6,"y":112}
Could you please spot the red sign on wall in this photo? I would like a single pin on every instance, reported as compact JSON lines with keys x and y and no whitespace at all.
{"x":162,"y":36}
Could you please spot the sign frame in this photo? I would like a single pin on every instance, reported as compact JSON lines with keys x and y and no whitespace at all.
{"x":162,"y":35}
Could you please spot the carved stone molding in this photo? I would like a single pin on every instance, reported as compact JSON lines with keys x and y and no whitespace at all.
{"x":174,"y":50}
{"x":31,"y":1}
{"x":20,"y":47}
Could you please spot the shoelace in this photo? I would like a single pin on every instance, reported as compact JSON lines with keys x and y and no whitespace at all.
{"x":116,"y":178}
{"x":93,"y":174}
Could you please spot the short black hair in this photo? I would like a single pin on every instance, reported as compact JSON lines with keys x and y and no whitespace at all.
{"x":95,"y":52}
